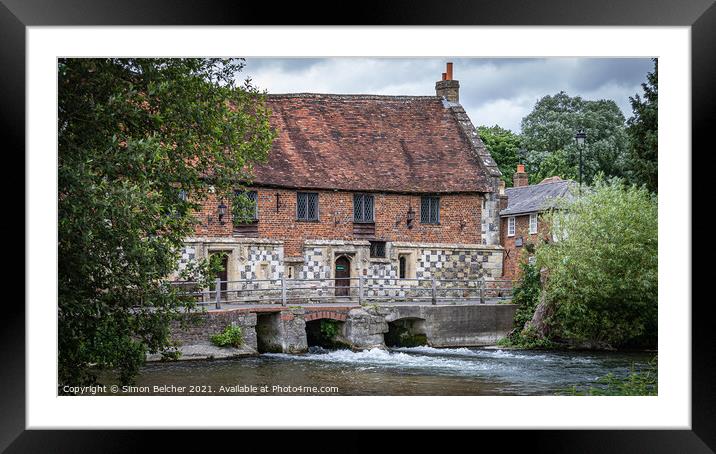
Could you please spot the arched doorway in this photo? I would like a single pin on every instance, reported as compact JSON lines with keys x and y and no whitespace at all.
{"x":343,"y":274}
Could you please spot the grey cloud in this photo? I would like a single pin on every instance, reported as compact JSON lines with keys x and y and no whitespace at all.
{"x":493,"y":90}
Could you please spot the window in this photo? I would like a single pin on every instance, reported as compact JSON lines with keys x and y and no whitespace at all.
{"x":363,"y":208}
{"x":307,"y":206}
{"x":401,"y":267}
{"x":533,"y":223}
{"x":430,"y":210}
{"x":245,"y":207}
{"x":511,"y":226}
{"x":377,"y":249}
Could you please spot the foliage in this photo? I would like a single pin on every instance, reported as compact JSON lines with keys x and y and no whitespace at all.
{"x":642,"y":128}
{"x":526,"y":293}
{"x":232,"y":336}
{"x":637,"y":383}
{"x":329,"y":329}
{"x":135,"y":136}
{"x":548,"y":133}
{"x":602,"y":273}
{"x":243,"y":208}
{"x":526,"y":339}
{"x":504,"y":146}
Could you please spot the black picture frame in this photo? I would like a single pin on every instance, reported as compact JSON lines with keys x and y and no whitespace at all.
{"x":700,"y":15}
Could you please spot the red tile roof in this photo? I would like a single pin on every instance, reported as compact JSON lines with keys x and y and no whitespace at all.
{"x":416,"y":144}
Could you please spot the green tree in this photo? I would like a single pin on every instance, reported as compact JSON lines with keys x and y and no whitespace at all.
{"x":642,"y":128}
{"x":548,"y":133}
{"x":504,"y":146}
{"x":602,"y":270}
{"x":135,"y":137}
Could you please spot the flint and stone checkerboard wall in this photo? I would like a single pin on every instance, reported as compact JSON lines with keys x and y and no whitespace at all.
{"x":469,"y":265}
{"x":458,"y":264}
{"x":272,"y":256}
{"x":188,"y":255}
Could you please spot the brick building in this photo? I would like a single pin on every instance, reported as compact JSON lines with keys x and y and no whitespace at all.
{"x":384,"y":187}
{"x":521,"y":224}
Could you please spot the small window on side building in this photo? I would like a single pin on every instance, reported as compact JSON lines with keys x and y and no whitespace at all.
{"x":511,"y":226}
{"x":533,"y":223}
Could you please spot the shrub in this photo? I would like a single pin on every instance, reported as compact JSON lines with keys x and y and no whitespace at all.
{"x":603,"y":276}
{"x":329,"y":329}
{"x":526,"y":294}
{"x":232,"y":336}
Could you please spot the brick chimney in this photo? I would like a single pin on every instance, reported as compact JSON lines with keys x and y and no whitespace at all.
{"x":519,"y":178}
{"x":447,"y":87}
{"x":502,"y":196}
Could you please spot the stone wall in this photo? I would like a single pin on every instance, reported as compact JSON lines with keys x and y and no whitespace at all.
{"x":199,"y":327}
{"x":284,"y":329}
{"x":253,"y":261}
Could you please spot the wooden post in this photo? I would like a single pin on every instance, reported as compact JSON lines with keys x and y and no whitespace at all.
{"x":435,"y":291}
{"x":218,"y":293}
{"x":283,"y":291}
{"x":360,"y":290}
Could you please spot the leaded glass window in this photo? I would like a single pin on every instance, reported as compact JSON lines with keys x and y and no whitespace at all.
{"x":307,"y":206}
{"x":430,"y":210}
{"x":246,"y":206}
{"x":377,"y":249}
{"x":363,"y":208}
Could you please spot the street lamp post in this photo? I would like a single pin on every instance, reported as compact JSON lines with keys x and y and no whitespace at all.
{"x":580,"y":137}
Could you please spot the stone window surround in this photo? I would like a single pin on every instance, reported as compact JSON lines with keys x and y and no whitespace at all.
{"x":411,"y":262}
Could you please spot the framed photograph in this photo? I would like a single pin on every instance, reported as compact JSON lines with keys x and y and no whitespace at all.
{"x":403,"y":174}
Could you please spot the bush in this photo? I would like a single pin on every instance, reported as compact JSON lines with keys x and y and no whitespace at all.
{"x":526,"y":294}
{"x":603,"y":277}
{"x":329,"y":329}
{"x":232,"y":336}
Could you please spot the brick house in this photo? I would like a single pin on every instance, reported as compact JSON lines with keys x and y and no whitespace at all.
{"x":521,"y":223}
{"x":384,"y":187}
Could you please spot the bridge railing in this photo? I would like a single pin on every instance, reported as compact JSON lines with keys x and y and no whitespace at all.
{"x":361,"y":290}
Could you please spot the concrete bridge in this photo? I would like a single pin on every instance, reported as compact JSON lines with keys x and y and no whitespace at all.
{"x":292,"y":329}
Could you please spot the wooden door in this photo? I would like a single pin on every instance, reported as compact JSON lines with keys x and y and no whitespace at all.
{"x":343,"y":273}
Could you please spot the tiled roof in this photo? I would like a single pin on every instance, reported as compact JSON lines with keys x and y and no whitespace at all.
{"x":416,"y":144}
{"x":536,"y":197}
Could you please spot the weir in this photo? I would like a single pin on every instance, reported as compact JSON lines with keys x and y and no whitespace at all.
{"x":293,"y":329}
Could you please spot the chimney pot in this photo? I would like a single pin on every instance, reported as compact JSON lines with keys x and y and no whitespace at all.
{"x":447,"y":87}
{"x":520,"y":178}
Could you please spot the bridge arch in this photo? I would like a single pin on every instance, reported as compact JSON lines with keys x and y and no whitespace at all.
{"x":325,"y":328}
{"x":406,"y":332}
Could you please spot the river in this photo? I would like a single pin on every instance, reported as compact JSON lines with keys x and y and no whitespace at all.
{"x":398,"y":371}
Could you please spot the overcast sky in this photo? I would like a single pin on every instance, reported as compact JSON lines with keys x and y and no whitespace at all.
{"x":492,"y":90}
